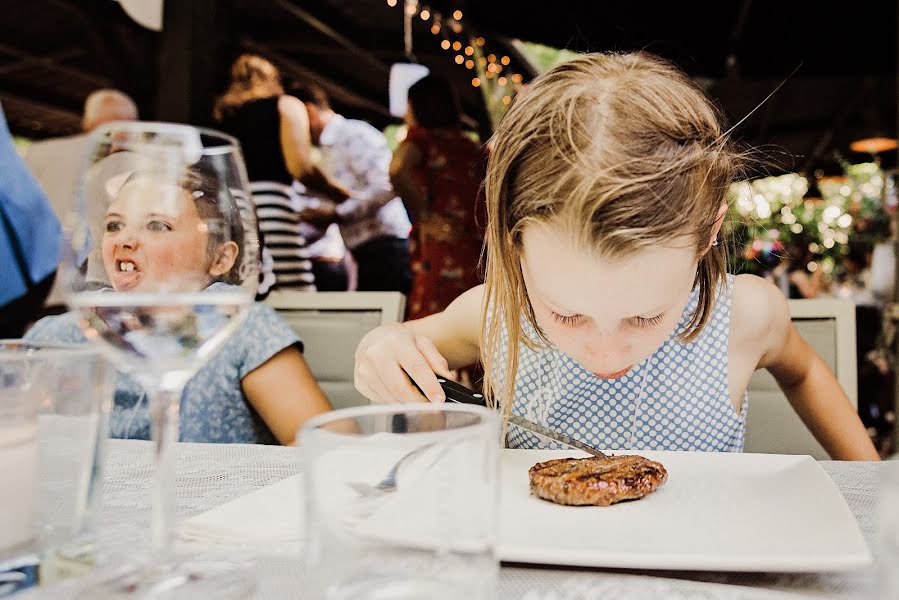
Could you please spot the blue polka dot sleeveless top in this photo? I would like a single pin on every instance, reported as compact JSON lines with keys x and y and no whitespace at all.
{"x":677,"y":399}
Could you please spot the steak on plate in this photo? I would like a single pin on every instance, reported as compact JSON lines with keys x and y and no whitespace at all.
{"x":596,"y":481}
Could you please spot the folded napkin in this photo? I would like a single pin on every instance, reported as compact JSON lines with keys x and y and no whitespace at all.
{"x":271,"y":516}
{"x":418,"y":512}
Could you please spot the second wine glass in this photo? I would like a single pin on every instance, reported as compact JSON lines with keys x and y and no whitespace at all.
{"x":161,"y":266}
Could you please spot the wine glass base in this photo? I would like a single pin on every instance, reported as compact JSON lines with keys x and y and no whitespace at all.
{"x":193,"y":577}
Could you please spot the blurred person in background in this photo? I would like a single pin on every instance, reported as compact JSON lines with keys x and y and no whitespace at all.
{"x":437,"y":170}
{"x":273,"y":130}
{"x":57,"y":163}
{"x":373,"y":221}
{"x":29,"y":241}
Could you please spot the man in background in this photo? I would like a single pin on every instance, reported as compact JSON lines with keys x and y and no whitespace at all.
{"x":58,"y":163}
{"x":373,"y":221}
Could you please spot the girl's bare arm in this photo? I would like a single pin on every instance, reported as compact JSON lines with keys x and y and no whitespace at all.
{"x":285,"y":393}
{"x":808,"y":383}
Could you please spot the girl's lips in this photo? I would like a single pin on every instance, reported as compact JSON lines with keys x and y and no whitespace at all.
{"x":124,"y":280}
{"x":614,"y":375}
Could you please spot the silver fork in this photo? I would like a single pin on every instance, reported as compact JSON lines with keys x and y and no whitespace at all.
{"x":388,"y":482}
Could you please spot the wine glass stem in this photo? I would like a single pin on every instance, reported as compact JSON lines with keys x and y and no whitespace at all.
{"x":165,"y":405}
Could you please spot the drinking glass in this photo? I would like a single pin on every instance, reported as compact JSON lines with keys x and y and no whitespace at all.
{"x":401,"y":502}
{"x":53,"y":405}
{"x":161,"y":266}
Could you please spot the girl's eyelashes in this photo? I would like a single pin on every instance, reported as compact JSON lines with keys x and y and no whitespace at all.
{"x":648,"y":321}
{"x":568,"y":320}
{"x":156,"y":225}
{"x":575,"y":320}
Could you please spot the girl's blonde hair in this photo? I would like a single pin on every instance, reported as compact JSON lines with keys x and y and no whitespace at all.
{"x":252,"y":77}
{"x":622,"y":151}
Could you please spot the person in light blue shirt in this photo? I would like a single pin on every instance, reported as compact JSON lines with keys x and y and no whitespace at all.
{"x":29,"y":240}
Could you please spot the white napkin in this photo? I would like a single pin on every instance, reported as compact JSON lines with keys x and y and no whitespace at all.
{"x":271,"y":516}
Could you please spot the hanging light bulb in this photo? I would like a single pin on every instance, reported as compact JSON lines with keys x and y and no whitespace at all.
{"x":457,"y":15}
{"x":425,"y":14}
{"x":507,"y":100}
{"x":505,"y":60}
{"x":435,"y":28}
{"x":502,"y":81}
{"x":457,"y":46}
{"x":480,"y":41}
{"x":469,"y":50}
{"x":476,"y":82}
{"x":469,"y":64}
{"x":391,"y":3}
{"x":459,"y":59}
{"x":517,"y":78}
{"x":491,"y":58}
{"x":445,"y":44}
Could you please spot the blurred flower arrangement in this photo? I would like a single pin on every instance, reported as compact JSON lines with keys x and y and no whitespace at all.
{"x":771,"y":214}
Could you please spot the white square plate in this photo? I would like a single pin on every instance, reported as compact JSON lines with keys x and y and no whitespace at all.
{"x":717,"y":511}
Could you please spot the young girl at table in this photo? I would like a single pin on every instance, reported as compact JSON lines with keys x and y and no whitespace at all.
{"x":607,"y":313}
{"x":257,"y":387}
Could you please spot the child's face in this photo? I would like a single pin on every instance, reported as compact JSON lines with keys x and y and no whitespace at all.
{"x":606,"y":314}
{"x":154,"y":240}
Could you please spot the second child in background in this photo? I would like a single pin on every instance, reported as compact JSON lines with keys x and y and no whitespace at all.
{"x":438,"y":170}
{"x":257,"y":388}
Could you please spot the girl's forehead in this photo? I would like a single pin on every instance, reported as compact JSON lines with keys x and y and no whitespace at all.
{"x":148,"y":195}
{"x":578,"y":280}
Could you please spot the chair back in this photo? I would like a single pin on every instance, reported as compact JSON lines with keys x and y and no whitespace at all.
{"x":828,"y":325}
{"x":331,"y":324}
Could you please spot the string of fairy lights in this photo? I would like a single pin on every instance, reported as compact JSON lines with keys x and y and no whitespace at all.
{"x":468,"y":51}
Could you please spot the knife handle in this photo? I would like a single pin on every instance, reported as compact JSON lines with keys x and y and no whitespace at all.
{"x":456,"y":392}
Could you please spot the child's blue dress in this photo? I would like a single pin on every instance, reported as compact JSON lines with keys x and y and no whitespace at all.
{"x":677,"y":399}
{"x":213,"y":406}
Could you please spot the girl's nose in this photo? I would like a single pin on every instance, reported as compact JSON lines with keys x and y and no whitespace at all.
{"x":605,"y":350}
{"x":127,"y":238}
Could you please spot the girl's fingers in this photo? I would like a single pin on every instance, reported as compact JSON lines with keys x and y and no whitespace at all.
{"x":420,"y":371}
{"x":435,"y":360}
{"x":399,"y":385}
{"x":369,"y":385}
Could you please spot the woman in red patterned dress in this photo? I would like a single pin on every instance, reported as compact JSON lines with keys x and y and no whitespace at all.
{"x":437,"y":171}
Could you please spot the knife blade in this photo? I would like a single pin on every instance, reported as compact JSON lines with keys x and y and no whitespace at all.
{"x":555,"y":436}
{"x":458,"y":393}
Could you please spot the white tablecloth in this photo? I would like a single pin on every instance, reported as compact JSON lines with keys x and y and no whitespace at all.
{"x":210,"y":474}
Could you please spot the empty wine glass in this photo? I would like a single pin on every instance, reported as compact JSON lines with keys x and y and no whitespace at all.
{"x":161,"y":265}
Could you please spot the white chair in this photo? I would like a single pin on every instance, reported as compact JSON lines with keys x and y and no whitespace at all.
{"x":773,"y":426}
{"x":331,"y":324}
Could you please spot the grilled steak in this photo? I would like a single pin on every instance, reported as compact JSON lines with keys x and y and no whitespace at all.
{"x":596,"y":481}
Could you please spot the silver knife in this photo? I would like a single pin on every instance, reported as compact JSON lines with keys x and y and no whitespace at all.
{"x":554,"y":435}
{"x":459,"y":393}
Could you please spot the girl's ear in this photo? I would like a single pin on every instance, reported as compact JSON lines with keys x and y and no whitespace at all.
{"x":224,"y":259}
{"x":716,"y":228}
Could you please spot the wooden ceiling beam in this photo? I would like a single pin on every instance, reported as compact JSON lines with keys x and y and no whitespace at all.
{"x":29,"y":59}
{"x":358,"y":51}
{"x":68,"y":120}
{"x":335,"y":90}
